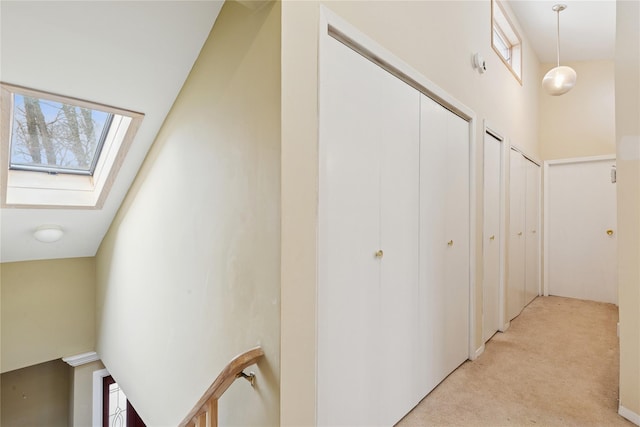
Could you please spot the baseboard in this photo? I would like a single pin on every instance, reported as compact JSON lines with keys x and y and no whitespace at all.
{"x":629,"y":414}
{"x":505,"y":327}
{"x":478,"y":352}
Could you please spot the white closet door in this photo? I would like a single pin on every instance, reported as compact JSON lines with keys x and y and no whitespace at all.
{"x":369,"y":125}
{"x":532,"y":242}
{"x":517,"y":236}
{"x":444,"y":241}
{"x":491,"y":235}
{"x":582,"y":255}
{"x":399,"y":236}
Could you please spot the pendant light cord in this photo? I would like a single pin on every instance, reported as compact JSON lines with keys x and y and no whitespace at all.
{"x":558,"y":38}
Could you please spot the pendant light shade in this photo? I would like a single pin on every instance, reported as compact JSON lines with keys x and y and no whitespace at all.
{"x":560,"y":79}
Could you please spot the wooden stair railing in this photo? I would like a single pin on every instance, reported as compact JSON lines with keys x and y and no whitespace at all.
{"x":205,"y":412}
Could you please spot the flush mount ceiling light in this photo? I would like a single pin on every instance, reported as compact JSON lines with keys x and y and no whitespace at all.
{"x":560,"y":79}
{"x":48,"y":233}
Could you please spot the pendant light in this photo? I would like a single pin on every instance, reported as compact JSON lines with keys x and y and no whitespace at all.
{"x":560,"y":79}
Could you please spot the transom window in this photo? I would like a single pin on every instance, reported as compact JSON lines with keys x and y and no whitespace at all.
{"x":60,"y":151}
{"x":505,"y":40}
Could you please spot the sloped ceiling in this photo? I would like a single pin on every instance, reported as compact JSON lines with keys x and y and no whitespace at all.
{"x":133,"y":55}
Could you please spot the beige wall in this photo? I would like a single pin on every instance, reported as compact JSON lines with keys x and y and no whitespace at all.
{"x":36,"y":396}
{"x":627,"y":74}
{"x":81,"y":410}
{"x":188,"y":274}
{"x":438,"y":38}
{"x":48,"y":310}
{"x":580,"y":123}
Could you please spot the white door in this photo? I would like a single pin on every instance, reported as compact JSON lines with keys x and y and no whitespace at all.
{"x":516,"y":276}
{"x":581,"y":227}
{"x":491,"y":238}
{"x":367,"y":305}
{"x":532,"y":241}
{"x":444,"y":241}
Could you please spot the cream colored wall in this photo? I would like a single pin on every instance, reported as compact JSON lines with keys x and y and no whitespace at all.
{"x":188,"y":274}
{"x":438,"y":38}
{"x":48,"y":310}
{"x":36,"y":396}
{"x":81,"y":412}
{"x":627,"y":75}
{"x":580,"y":123}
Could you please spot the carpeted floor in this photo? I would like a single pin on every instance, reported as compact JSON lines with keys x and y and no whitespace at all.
{"x":557,"y":365}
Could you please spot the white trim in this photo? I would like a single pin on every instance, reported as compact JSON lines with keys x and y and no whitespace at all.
{"x":97,"y":396}
{"x":524,"y":153}
{"x":545,"y":218}
{"x":629,"y":414}
{"x":581,"y":159}
{"x":505,"y":327}
{"x":478,"y":352}
{"x":336,"y":27}
{"x":81,"y":359}
{"x":499,"y":136}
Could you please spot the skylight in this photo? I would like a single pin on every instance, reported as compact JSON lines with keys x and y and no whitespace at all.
{"x":56,"y":137}
{"x":59,"y":151}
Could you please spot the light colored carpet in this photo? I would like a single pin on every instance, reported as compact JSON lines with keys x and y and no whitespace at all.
{"x":557,"y":365}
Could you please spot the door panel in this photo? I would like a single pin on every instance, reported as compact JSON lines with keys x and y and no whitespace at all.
{"x":369,"y":125}
{"x":582,"y":257}
{"x":516,"y":278}
{"x":444,"y":240}
{"x":532,"y":216}
{"x":491,"y":236}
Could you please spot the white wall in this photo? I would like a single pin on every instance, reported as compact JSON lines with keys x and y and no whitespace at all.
{"x":627,"y":74}
{"x":438,"y":38}
{"x":580,"y":123}
{"x":188,"y":274}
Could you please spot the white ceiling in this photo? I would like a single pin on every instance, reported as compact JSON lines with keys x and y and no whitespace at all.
{"x":133,"y":55}
{"x":587,"y":28}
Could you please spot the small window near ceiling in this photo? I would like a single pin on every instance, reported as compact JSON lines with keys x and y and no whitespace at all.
{"x":505,"y":40}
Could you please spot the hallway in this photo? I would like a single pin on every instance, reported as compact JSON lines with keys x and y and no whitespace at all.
{"x":556,"y":365}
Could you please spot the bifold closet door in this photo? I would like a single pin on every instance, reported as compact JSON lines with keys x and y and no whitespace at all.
{"x":368,"y":242}
{"x":532,"y":241}
{"x":517,"y":235}
{"x":492,"y":235}
{"x":444,"y":241}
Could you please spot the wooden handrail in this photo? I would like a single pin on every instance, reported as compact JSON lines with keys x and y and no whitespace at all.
{"x":205,"y":412}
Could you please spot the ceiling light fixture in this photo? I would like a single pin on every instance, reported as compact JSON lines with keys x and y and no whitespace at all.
{"x":48,"y":233}
{"x":559,"y":80}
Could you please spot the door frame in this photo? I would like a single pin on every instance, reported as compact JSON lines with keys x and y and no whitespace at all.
{"x":502,"y":212}
{"x":547,"y":165}
{"x":333,"y":26}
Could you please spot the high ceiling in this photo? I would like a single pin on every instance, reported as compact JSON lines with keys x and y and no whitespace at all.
{"x":133,"y":55}
{"x":136,"y":55}
{"x":587,"y":28}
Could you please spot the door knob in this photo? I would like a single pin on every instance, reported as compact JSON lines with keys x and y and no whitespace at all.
{"x":520,"y":233}
{"x":610,"y":232}
{"x":492,"y":237}
{"x":450,"y":243}
{"x":379,"y":254}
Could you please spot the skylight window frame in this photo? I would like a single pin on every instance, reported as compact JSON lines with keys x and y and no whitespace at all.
{"x":502,"y":26}
{"x":31,"y":189}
